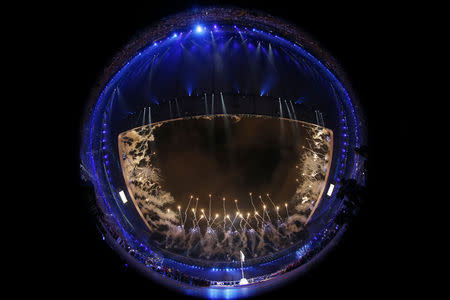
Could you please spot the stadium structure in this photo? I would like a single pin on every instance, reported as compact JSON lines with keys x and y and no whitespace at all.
{"x":246,"y":82}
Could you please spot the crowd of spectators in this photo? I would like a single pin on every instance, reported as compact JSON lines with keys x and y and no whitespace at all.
{"x":351,"y":192}
{"x":155,"y":262}
{"x":152,"y":261}
{"x":234,"y":103}
{"x":240,"y":17}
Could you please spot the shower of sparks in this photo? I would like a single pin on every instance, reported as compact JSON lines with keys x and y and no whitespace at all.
{"x":232,"y":229}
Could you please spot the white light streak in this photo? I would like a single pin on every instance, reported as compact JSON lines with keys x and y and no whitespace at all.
{"x":123,"y":197}
{"x":330,"y":190}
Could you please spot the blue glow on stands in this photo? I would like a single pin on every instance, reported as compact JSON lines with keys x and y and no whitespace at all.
{"x":210,"y":68}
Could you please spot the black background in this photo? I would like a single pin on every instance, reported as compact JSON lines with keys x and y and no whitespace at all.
{"x":363,"y":40}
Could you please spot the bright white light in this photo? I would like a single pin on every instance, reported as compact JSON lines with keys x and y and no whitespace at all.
{"x":242,"y":256}
{"x":330,"y":190}
{"x":123,"y":197}
{"x":198,"y":28}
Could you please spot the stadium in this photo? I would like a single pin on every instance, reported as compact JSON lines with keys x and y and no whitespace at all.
{"x":217,"y":143}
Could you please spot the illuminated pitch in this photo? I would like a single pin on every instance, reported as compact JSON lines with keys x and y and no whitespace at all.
{"x":193,"y":192}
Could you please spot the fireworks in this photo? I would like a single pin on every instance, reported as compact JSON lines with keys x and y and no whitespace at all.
{"x":263,"y":222}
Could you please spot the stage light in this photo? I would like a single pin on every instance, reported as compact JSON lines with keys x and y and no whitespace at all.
{"x":199,"y":29}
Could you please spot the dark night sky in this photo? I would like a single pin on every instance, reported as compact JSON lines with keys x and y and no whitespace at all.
{"x":361,"y":38}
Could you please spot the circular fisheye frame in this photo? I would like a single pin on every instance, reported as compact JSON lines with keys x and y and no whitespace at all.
{"x":219,"y":144}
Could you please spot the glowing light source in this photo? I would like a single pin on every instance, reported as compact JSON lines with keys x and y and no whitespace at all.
{"x":199,"y":29}
{"x":123,"y":197}
{"x":330,"y":190}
